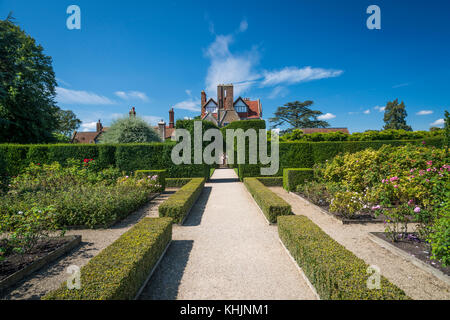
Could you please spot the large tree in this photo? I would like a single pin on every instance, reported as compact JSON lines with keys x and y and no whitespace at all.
{"x":298,"y":115}
{"x":67,"y":122}
{"x":28,"y":111}
{"x":395,"y":116}
{"x":129,"y":130}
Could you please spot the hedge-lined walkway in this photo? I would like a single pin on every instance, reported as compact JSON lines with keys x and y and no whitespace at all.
{"x":416,"y":283}
{"x":93,"y":241}
{"x":226,"y":250}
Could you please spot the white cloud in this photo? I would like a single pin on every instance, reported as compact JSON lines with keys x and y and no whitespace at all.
{"x":189,"y":104}
{"x":438,"y":123}
{"x":279,"y":91}
{"x":424,"y":112}
{"x":132,"y":95}
{"x":400,"y":85}
{"x":68,"y":96}
{"x":381,"y":109}
{"x":243,"y":26}
{"x":367,"y":111}
{"x":188,"y":92}
{"x":326,"y":116}
{"x":152,"y":120}
{"x":88,"y":126}
{"x":292,"y":75}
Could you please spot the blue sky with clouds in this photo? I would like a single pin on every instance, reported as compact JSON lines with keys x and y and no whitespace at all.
{"x":157,"y":54}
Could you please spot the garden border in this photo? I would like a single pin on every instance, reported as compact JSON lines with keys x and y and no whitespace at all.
{"x":417,"y":262}
{"x":343,"y":221}
{"x":259,"y":208}
{"x":152,"y":271}
{"x":40,"y":263}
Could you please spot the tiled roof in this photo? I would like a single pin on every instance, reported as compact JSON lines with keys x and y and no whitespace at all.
{"x":253,"y":108}
{"x":324,"y":130}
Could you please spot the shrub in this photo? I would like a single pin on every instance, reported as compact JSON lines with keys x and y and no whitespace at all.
{"x":271,"y":205}
{"x":118,"y":272}
{"x":180,"y":203}
{"x":130,"y":130}
{"x":294,"y":177}
{"x":335,"y":272}
{"x":177,"y":182}
{"x":159,"y":175}
{"x":271,"y":181}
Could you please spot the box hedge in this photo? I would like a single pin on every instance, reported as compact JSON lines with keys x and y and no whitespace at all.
{"x":271,"y":181}
{"x":180,"y":203}
{"x":161,"y":174}
{"x":119,"y":271}
{"x":292,"y":177}
{"x":335,"y":272}
{"x":177,"y":182}
{"x":271,"y":205}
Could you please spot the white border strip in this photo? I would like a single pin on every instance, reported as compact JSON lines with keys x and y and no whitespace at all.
{"x":300,"y":270}
{"x":153,"y":270}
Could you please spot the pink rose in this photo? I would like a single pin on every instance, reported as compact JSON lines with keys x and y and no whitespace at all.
{"x":417,"y":209}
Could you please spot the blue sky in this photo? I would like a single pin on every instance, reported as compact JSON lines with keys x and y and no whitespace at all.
{"x":157,"y":54}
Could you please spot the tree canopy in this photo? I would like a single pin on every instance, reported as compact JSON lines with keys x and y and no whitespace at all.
{"x":298,"y":115}
{"x":395,"y":116}
{"x":129,"y":130}
{"x":28,"y":111}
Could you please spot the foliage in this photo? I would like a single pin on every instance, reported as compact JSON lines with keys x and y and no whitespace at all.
{"x":292,"y":177}
{"x":120,"y":269}
{"x":271,"y":205}
{"x":395,"y":116}
{"x":28,"y":111}
{"x":447,"y":129}
{"x":177,"y":182}
{"x":335,"y":272}
{"x":67,"y":122}
{"x":347,"y":203}
{"x":298,"y":115}
{"x":180,"y":203}
{"x":130,"y":130}
{"x":158,"y":175}
{"x":271,"y":181}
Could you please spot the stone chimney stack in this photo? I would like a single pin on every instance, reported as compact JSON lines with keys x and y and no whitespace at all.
{"x":99,"y":126}
{"x":171,"y":118}
{"x":162,"y":130}
{"x":133,"y":113}
{"x":228,"y":99}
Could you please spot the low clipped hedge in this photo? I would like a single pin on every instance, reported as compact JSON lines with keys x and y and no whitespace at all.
{"x":161,"y":180}
{"x":271,"y":181}
{"x":271,"y":205}
{"x":335,"y":272}
{"x":118,"y":272}
{"x":180,"y":203}
{"x":177,"y":182}
{"x":292,"y":177}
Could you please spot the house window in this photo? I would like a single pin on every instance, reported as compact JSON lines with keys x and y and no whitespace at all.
{"x":211,"y":109}
{"x":241,"y":109}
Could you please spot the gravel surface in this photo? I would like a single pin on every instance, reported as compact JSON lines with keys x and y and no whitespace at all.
{"x":93,"y":241}
{"x":226,"y":250}
{"x":416,"y":283}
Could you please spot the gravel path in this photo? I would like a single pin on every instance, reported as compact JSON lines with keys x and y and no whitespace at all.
{"x":93,"y":241}
{"x":226,"y":250}
{"x":416,"y":283}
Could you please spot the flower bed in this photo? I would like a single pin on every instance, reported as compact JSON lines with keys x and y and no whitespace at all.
{"x":119,"y":271}
{"x":180,"y":203}
{"x":335,"y":272}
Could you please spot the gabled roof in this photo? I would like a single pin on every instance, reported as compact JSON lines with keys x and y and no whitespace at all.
{"x":210,"y":99}
{"x":87,"y":137}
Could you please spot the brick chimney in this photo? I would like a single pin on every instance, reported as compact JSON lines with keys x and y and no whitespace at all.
{"x":162,"y":130}
{"x":228,"y":97}
{"x":203,"y":94}
{"x":132,"y":113}
{"x":99,"y":126}
{"x":171,"y":118}
{"x":220,"y":96}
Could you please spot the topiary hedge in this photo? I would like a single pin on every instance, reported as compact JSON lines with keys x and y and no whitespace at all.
{"x":118,"y":272}
{"x":161,"y":174}
{"x":271,"y":181}
{"x":335,"y":272}
{"x":180,"y":203}
{"x":271,"y":205}
{"x":177,"y":182}
{"x":292,"y":177}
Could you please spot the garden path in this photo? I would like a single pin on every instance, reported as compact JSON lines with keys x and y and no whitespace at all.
{"x":417,"y":283}
{"x":226,"y":250}
{"x":49,"y":278}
